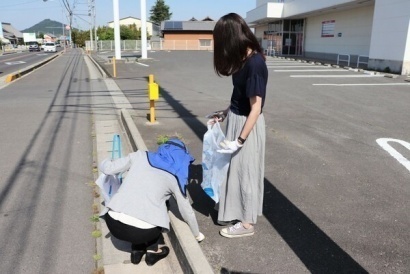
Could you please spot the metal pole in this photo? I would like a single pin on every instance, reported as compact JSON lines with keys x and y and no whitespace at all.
{"x":91,"y":26}
{"x":117,"y":29}
{"x":95,"y":27}
{"x":143,"y":29}
{"x":62,"y":11}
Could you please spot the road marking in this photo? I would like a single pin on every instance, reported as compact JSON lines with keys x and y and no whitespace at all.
{"x":15,"y":63}
{"x":306,"y":70}
{"x":335,"y":76}
{"x":142,"y":64}
{"x":294,"y":66}
{"x":383,"y":142}
{"x":383,"y":84}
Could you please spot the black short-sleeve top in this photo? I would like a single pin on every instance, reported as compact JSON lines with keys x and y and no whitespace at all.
{"x":248,"y":82}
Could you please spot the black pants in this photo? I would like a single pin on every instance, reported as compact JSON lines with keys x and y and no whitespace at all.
{"x":141,"y":239}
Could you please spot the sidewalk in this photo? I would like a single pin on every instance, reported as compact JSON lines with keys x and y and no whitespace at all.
{"x":186,"y":255}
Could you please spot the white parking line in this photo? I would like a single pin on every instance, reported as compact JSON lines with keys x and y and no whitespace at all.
{"x":142,"y":64}
{"x":306,"y":70}
{"x":335,"y":76}
{"x":293,"y":66}
{"x":384,"y":143}
{"x":382,"y":84}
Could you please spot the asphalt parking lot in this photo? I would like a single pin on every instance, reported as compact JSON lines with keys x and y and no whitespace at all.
{"x":337,"y":163}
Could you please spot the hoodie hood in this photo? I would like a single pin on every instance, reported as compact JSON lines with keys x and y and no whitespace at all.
{"x":173,"y":157}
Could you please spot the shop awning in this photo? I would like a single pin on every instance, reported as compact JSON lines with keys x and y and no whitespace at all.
{"x":4,"y":40}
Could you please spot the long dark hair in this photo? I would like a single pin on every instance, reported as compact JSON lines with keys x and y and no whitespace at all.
{"x":232,"y":39}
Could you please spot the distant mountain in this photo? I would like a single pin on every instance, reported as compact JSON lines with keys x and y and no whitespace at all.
{"x":48,"y":26}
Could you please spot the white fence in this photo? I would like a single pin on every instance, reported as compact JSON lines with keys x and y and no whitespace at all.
{"x":152,"y":45}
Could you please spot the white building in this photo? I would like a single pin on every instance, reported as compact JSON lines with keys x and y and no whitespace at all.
{"x":152,"y":28}
{"x":376,"y":30}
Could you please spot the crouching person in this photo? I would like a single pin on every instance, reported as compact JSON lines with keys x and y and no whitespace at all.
{"x":137,"y":212}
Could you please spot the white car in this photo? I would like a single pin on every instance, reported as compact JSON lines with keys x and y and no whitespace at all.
{"x":50,"y":46}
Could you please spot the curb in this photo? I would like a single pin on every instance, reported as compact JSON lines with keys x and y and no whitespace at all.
{"x":187,"y":249}
{"x":103,"y":73}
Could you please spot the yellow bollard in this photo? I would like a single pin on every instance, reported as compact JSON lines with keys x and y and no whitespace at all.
{"x":153,"y":94}
{"x":152,"y":111}
{"x":114,"y":68}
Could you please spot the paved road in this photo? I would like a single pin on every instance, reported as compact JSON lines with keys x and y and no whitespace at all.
{"x":46,"y":167}
{"x":335,"y":200}
{"x":10,"y":63}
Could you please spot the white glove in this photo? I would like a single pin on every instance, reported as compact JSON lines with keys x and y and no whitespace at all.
{"x":229,"y":146}
{"x":200,"y":237}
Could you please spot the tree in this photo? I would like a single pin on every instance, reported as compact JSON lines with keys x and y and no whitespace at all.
{"x":105,"y":33}
{"x":159,"y":12}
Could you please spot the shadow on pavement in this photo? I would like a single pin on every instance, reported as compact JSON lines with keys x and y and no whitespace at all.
{"x":318,"y":252}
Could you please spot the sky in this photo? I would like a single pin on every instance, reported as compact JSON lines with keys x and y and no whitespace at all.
{"x":23,"y":14}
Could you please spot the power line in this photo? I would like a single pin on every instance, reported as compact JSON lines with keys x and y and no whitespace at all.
{"x":18,"y":4}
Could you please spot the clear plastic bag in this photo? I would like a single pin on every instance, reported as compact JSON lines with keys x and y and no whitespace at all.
{"x":109,"y":185}
{"x":214,"y":165}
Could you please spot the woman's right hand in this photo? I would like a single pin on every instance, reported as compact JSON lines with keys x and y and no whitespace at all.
{"x":217,"y":116}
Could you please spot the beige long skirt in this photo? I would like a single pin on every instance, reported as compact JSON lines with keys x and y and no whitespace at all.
{"x":241,"y":194}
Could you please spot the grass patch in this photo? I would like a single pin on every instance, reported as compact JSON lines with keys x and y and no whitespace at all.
{"x":96,"y":233}
{"x":162,"y":139}
{"x":95,"y":218}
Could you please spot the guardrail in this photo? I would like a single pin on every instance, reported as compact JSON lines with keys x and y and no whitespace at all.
{"x":339,"y":59}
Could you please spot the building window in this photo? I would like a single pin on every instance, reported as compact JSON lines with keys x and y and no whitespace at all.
{"x":204,"y":42}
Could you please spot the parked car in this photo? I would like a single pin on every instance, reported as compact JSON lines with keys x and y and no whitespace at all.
{"x":50,"y":46}
{"x":33,"y":46}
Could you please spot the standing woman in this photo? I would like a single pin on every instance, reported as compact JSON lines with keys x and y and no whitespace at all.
{"x":237,"y":53}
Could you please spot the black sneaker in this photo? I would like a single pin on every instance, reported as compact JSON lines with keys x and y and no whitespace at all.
{"x":153,"y":258}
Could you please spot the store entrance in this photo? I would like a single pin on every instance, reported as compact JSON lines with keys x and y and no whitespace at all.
{"x":284,"y":37}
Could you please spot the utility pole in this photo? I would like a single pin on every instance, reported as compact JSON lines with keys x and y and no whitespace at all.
{"x":95,"y":26}
{"x":90,"y":13}
{"x":70,"y":12}
{"x":143,"y":29}
{"x":117,"y":41}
